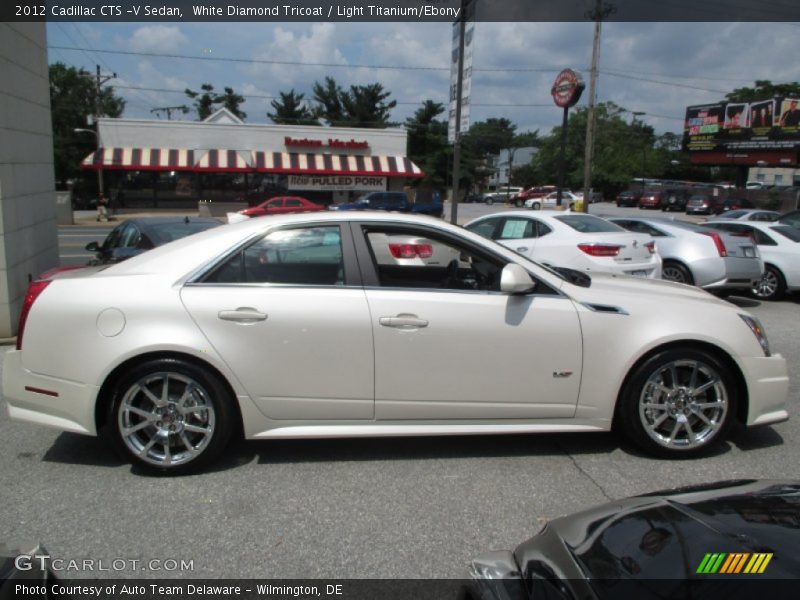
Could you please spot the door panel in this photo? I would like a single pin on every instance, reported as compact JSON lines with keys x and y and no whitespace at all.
{"x":479,"y":356}
{"x":311,"y":358}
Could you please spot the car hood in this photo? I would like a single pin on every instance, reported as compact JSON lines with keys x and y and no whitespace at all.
{"x":616,"y":289}
{"x":668,"y":534}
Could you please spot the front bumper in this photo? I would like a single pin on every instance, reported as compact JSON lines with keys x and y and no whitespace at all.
{"x":768,"y":388}
{"x":42,"y":400}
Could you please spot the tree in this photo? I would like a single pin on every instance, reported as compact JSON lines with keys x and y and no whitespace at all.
{"x":73,"y":97}
{"x":203,"y":102}
{"x":763,"y":90}
{"x":329,"y":101}
{"x":360,"y":106}
{"x":207,"y":101}
{"x":490,"y":136}
{"x":427,"y":143}
{"x":623,"y":151}
{"x":231,"y":100}
{"x":291,"y":109}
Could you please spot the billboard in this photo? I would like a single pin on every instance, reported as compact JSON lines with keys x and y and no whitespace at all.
{"x":466,"y":84}
{"x":770,"y":124}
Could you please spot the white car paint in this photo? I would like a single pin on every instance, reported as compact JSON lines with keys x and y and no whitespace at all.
{"x":558,"y":246}
{"x":322,"y":363}
{"x":551,"y":200}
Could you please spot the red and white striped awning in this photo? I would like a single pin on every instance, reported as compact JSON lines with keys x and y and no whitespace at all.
{"x":215,"y":160}
{"x":141,"y":159}
{"x":334,"y":164}
{"x":222,"y":160}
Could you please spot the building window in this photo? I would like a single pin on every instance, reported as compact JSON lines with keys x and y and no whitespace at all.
{"x":778,"y":179}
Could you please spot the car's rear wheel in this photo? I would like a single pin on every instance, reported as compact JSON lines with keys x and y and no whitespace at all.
{"x":536,"y":206}
{"x":678,"y":403}
{"x":519,"y":203}
{"x":676,"y":272}
{"x":171,"y":415}
{"x":771,"y":286}
{"x":489,"y":201}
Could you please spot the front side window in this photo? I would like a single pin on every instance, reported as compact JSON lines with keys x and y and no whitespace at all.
{"x":293,"y":202}
{"x":406,"y":258}
{"x":298,"y":256}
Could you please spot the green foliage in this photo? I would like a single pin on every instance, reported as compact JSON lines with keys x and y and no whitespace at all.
{"x":763,"y":90}
{"x":427,"y":143}
{"x":291,"y":109}
{"x":360,"y":106}
{"x":73,"y":96}
{"x":206,"y":101}
{"x":489,"y":136}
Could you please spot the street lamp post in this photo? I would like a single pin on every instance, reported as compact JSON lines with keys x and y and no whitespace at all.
{"x":100,"y":168}
{"x":644,"y":142}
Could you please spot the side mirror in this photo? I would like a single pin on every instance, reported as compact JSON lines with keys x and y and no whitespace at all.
{"x":92,"y":247}
{"x":516,"y":280}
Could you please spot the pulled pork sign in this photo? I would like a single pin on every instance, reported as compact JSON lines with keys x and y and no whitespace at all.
{"x":357,"y":183}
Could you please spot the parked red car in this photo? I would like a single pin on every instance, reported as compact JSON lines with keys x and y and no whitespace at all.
{"x":651,"y":199}
{"x":539,"y":191}
{"x":281,"y":205}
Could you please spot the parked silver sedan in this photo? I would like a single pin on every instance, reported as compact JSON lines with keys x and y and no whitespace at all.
{"x":690,"y":255}
{"x":748,"y":214}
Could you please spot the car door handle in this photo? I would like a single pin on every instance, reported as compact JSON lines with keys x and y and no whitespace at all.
{"x":522,"y":249}
{"x":403,"y":321}
{"x":243,"y":314}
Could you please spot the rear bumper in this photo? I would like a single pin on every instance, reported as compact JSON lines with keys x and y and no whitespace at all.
{"x":768,"y":387}
{"x":48,"y":401}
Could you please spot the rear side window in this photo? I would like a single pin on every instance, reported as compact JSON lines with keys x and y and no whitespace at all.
{"x":517,"y":229}
{"x":300,"y":256}
{"x":639,"y":227}
{"x":787,"y":232}
{"x":589,"y":224}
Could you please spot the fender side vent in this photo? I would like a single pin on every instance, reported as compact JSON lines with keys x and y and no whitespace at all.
{"x":605,"y":308}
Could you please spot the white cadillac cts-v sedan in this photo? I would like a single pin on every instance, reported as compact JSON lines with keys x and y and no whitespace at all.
{"x":360,"y":324}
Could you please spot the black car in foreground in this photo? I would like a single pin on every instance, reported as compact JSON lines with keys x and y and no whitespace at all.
{"x":723,"y":540}
{"x":134,"y":236}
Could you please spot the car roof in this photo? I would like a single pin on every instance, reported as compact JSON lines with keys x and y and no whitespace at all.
{"x":163,"y":220}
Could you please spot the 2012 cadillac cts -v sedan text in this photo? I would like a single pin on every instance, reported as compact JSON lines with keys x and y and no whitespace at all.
{"x":375,"y":324}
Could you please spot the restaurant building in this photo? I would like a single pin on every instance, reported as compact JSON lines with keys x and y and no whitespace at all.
{"x":178,"y":163}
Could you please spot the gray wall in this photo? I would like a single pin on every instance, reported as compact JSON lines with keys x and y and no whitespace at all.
{"x":28,"y":232}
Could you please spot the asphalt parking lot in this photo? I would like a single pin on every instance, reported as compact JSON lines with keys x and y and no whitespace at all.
{"x":380,"y":508}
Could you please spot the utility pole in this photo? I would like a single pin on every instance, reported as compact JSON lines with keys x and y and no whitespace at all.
{"x":597,"y":16}
{"x":462,"y":25}
{"x":100,"y":79}
{"x":168,"y":109}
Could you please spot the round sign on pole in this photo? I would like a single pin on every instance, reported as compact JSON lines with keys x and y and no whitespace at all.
{"x":567,"y":88}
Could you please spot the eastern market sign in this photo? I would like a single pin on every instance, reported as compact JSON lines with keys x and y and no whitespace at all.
{"x":336,"y":144}
{"x":567,"y":89}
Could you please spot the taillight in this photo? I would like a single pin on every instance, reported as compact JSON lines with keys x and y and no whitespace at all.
{"x":651,"y":247}
{"x":600,"y":249}
{"x":34,"y":289}
{"x":411,"y":250}
{"x":717,"y":242}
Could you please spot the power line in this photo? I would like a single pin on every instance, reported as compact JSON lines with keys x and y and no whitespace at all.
{"x":76,"y":48}
{"x":669,"y":83}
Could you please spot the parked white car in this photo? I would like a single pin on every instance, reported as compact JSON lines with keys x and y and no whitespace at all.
{"x":572,"y":240}
{"x":288,"y":327}
{"x":694,"y":255}
{"x":779,"y":246}
{"x":568,"y":199}
{"x":748,"y":214}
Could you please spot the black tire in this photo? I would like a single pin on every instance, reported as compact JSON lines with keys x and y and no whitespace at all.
{"x":519,"y":203}
{"x":633,"y":411}
{"x":675,"y":271}
{"x":212,"y":419}
{"x":489,"y":201}
{"x":536,"y":206}
{"x":772,"y":285}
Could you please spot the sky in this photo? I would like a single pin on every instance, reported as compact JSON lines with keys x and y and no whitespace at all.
{"x":655,"y":68}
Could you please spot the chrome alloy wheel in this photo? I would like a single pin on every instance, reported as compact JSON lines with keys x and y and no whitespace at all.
{"x":767,"y":286}
{"x":672,"y":273}
{"x":166,"y":419}
{"x":683,"y":404}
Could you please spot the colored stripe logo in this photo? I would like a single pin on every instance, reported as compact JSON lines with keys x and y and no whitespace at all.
{"x":734,"y":563}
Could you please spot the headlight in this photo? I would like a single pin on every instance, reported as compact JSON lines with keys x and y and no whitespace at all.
{"x":758,"y":331}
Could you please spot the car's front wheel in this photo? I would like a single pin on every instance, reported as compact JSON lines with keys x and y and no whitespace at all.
{"x":489,"y":201}
{"x":536,"y":206}
{"x":771,"y":286}
{"x":171,"y":415}
{"x":678,"y":403}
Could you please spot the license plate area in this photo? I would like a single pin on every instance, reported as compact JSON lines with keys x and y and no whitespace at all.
{"x":638,"y":273}
{"x":749,"y":252}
